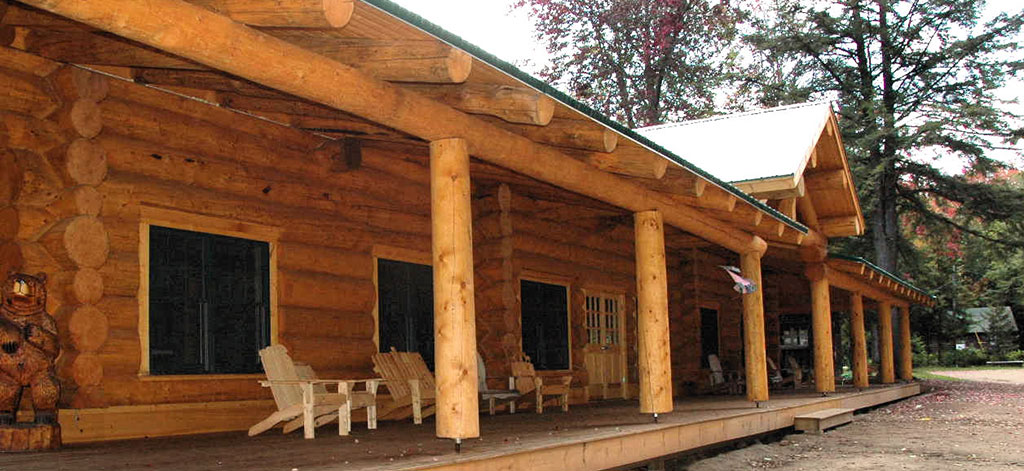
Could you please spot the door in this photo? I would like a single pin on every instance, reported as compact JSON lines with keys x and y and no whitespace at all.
{"x":605,"y":352}
{"x":405,"y":309}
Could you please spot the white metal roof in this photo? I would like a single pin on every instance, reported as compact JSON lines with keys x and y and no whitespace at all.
{"x":747,"y":146}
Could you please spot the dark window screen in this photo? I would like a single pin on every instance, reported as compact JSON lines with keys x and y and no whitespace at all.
{"x":545,"y":325}
{"x":405,"y":292}
{"x":708,"y":334}
{"x":209,"y":302}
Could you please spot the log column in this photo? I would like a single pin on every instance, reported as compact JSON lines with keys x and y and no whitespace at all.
{"x":906,"y":349}
{"x":652,"y":316}
{"x":821,"y":324}
{"x":753,"y":330}
{"x":885,"y":341}
{"x":860,"y":344}
{"x":454,"y":309}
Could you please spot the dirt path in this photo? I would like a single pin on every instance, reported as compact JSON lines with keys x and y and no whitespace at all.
{"x":953,"y":426}
{"x":1008,"y":375}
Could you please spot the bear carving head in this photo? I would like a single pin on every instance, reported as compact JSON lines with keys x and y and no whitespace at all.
{"x":24,"y":294}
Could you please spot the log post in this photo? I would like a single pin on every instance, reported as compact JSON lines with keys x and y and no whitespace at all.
{"x":860,"y":344}
{"x":906,"y":349}
{"x":885,"y":341}
{"x":821,"y":324}
{"x":753,"y":330}
{"x":454,"y":307}
{"x":652,"y":314}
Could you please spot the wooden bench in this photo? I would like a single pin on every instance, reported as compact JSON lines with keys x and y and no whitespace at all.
{"x":1006,"y":363}
{"x":818,"y":422}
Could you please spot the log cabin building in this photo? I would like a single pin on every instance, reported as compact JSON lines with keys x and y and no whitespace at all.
{"x":203,"y":178}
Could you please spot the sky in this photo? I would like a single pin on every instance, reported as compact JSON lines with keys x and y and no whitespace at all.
{"x":509,"y":34}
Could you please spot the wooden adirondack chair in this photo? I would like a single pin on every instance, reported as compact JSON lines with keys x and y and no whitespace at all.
{"x":797,"y":370}
{"x":776,"y":376}
{"x":492,"y":396}
{"x":304,"y":401}
{"x":730,"y":383}
{"x":409,"y":382}
{"x":527,"y":381}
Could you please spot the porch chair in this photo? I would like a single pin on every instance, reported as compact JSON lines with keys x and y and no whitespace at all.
{"x":527,"y":381}
{"x":721,"y":381}
{"x":797,"y":371}
{"x":410,"y":384}
{"x":776,"y":378}
{"x":492,"y":396}
{"x":304,"y":401}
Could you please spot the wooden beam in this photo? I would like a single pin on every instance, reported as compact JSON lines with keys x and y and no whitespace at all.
{"x":454,"y":306}
{"x":773,"y":188}
{"x":571,"y":133}
{"x":629,"y":161}
{"x":885,"y":341}
{"x":807,"y":213}
{"x":821,"y":323}
{"x":787,"y":207}
{"x":679,"y":181}
{"x":841,"y":226}
{"x":92,"y":48}
{"x":217,"y":41}
{"x":513,"y":104}
{"x":756,"y":368}
{"x":655,"y":358}
{"x":860,"y":345}
{"x":394,"y":60}
{"x":206,"y":80}
{"x":713,"y":198}
{"x":289,"y":14}
{"x":827,"y":180}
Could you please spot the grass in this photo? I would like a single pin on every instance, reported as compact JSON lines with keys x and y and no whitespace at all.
{"x":928,"y":372}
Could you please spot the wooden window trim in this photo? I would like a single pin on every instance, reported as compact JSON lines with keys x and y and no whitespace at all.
{"x":398,"y":254}
{"x":550,"y":279}
{"x":174,"y":219}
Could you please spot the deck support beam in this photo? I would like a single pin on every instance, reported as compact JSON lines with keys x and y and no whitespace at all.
{"x":860,"y":344}
{"x":454,"y":307}
{"x":885,"y":341}
{"x":821,"y":324}
{"x":906,"y":349}
{"x":652,"y":314}
{"x":753,"y":330}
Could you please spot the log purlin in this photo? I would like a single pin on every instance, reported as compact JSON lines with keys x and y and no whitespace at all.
{"x":217,"y":41}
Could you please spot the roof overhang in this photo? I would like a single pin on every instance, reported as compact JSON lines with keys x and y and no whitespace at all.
{"x":859,"y":275}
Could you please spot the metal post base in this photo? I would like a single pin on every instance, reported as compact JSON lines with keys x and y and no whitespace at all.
{"x":458,"y":445}
{"x":655,"y":418}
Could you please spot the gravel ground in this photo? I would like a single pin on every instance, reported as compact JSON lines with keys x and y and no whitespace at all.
{"x":954,"y":425}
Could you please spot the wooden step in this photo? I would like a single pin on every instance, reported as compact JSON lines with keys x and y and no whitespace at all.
{"x":818,"y":422}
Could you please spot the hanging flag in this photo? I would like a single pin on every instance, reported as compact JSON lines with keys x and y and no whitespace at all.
{"x":743,"y":285}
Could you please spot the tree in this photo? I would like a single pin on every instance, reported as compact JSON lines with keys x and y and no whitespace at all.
{"x":639,"y":61}
{"x":916,"y":80}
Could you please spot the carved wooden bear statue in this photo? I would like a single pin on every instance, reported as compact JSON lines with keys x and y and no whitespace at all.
{"x":28,"y":349}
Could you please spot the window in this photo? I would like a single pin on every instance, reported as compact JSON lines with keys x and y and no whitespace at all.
{"x":708,"y":334}
{"x":545,"y":317}
{"x":209,"y":302}
{"x":405,"y":310}
{"x":604,"y":321}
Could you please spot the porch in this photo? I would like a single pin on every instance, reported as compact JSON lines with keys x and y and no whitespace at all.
{"x":600,"y":435}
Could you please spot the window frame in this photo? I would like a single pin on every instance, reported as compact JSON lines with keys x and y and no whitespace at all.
{"x":174,"y":219}
{"x":397,"y":254}
{"x":546,"y":278}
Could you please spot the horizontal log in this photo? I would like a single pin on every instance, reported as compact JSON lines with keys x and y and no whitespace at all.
{"x":393,"y":60}
{"x":328,"y":354}
{"x":842,"y":226}
{"x":123,"y":232}
{"x":76,"y":83}
{"x":326,"y":323}
{"x":12,"y":176}
{"x":571,"y":133}
{"x":317,"y":290}
{"x":88,"y":328}
{"x":510,"y":103}
{"x":312,"y":258}
{"x":92,"y":48}
{"x":290,"y":14}
{"x":121,"y":273}
{"x":18,"y":131}
{"x":629,"y":161}
{"x":10,"y":256}
{"x":10,"y":223}
{"x":576,"y":254}
{"x":827,"y":180}
{"x":41,"y":183}
{"x":678,"y":181}
{"x":26,"y":94}
{"x":22,"y":15}
{"x":122,"y":311}
{"x":77,"y":242}
{"x":206,"y":80}
{"x":32,"y":221}
{"x":20,"y":61}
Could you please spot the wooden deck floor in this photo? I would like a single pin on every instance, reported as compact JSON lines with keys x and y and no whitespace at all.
{"x":596,"y":436}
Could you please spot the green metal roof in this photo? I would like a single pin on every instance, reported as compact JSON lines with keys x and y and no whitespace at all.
{"x":882,"y":271}
{"x":419,"y":22}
